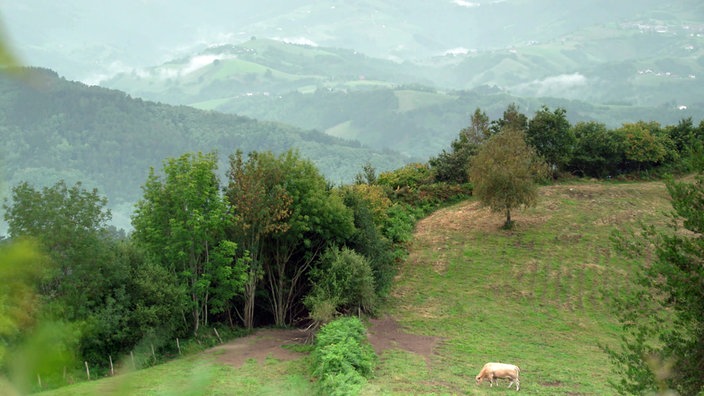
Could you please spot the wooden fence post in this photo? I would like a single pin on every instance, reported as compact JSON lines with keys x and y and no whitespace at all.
{"x":178,"y":345}
{"x":87,"y":370}
{"x":112,"y":370}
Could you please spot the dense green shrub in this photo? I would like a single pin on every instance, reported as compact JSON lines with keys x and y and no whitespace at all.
{"x":343,"y":281}
{"x":598,"y":152}
{"x":342,"y":358}
{"x":409,"y":176}
{"x":369,"y":205}
{"x":399,"y":225}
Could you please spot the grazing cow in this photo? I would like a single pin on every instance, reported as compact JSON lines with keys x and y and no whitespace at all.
{"x":494,"y":371}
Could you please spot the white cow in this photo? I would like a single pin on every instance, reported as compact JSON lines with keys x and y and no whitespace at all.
{"x":494,"y":371}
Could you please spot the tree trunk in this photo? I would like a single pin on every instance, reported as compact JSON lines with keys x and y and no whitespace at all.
{"x":508,"y":224}
{"x":196,"y":313}
{"x":248,"y":314}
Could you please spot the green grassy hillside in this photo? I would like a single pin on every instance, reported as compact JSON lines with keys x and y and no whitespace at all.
{"x":538,"y":296}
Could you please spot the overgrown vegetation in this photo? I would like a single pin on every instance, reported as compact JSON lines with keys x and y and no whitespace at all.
{"x":342,"y":358}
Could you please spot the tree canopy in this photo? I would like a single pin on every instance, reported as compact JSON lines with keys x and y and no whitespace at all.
{"x":451,"y":166}
{"x":181,"y":222}
{"x":505,"y":171}
{"x":551,"y":135}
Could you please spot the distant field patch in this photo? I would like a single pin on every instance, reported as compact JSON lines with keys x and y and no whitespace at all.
{"x":343,"y":130}
{"x":409,"y":100}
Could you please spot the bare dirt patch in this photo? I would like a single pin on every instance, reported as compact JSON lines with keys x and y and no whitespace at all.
{"x":260,"y":345}
{"x":386,"y":333}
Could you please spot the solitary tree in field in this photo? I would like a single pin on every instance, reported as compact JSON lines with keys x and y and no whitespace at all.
{"x":504,"y":173}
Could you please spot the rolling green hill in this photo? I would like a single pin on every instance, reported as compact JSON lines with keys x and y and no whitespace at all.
{"x":259,"y":67}
{"x":538,"y":296}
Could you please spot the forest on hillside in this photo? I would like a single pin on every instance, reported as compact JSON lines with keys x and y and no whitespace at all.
{"x":56,"y":129}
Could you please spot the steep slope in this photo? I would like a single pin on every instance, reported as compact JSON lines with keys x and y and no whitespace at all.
{"x":538,"y":296}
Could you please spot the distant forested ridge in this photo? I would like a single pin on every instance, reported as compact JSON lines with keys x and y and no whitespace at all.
{"x":416,"y":108}
{"x":57,"y":129}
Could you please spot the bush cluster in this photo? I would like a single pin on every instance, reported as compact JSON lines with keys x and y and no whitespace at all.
{"x":342,"y":358}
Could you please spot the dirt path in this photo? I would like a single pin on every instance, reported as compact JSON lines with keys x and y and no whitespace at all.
{"x":384,"y":333}
{"x":260,"y":345}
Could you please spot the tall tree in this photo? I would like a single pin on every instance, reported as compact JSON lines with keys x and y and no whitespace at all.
{"x":70,"y":224}
{"x":598,"y":152}
{"x":262,"y":207}
{"x":505,"y":171}
{"x":317,"y":219}
{"x":89,"y":276}
{"x":550,"y":133}
{"x":479,"y":128}
{"x":181,"y":222}
{"x":663,"y":315}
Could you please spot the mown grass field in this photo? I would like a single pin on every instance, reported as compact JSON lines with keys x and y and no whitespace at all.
{"x":538,"y":296}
